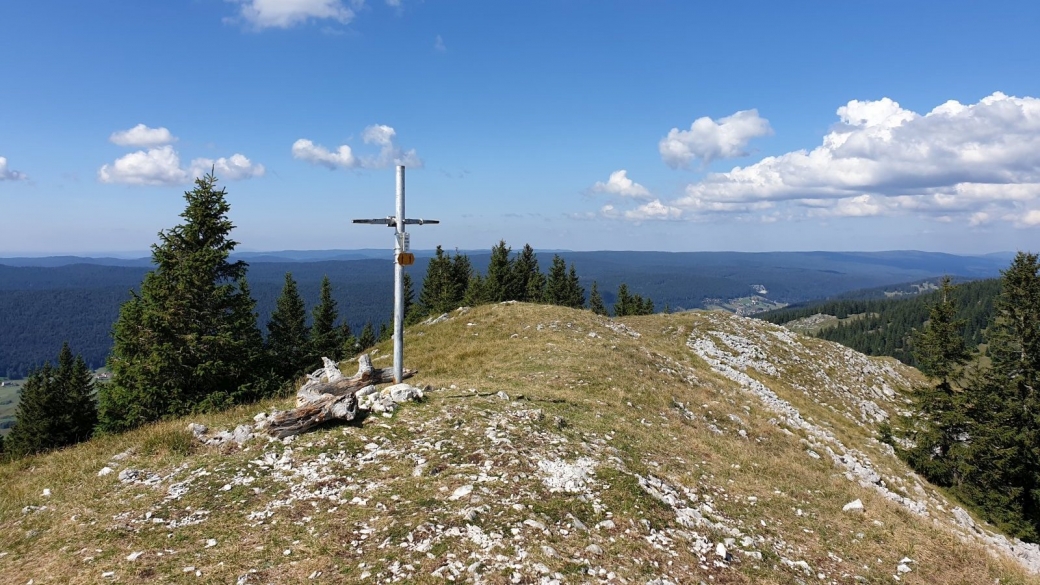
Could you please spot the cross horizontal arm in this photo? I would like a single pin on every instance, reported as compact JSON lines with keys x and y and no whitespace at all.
{"x":420,"y":221}
{"x":380,"y":221}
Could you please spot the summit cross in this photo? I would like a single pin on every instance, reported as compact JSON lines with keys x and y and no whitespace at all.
{"x":402,"y":257}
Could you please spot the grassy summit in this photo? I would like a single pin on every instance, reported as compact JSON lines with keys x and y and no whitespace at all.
{"x":554,"y":446}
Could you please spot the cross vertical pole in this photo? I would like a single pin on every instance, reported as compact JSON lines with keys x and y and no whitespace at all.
{"x":399,"y":282}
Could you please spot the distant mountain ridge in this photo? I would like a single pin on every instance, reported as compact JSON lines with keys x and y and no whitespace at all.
{"x":44,"y":305}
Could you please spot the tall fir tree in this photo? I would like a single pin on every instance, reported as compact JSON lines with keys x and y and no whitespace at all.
{"x":528,"y":278}
{"x":475,"y":292}
{"x":367,"y":338}
{"x":575,"y":292}
{"x":596,"y":301}
{"x":288,"y":337}
{"x":191,"y":332}
{"x":325,"y":335}
{"x":500,"y":283}
{"x":56,"y":408}
{"x":436,"y":288}
{"x":1002,"y":465}
{"x":940,"y":352}
{"x":557,"y":285}
{"x":624,"y":304}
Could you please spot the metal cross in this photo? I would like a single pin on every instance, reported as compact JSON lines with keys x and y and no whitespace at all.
{"x":402,"y":257}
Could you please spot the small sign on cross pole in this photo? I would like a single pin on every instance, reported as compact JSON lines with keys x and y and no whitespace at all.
{"x":402,"y":257}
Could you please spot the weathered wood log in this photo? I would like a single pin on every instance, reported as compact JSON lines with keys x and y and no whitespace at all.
{"x":328,"y":395}
{"x":338,"y":385}
{"x":318,"y":411}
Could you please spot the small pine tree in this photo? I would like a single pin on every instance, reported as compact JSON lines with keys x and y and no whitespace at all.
{"x":500,"y":283}
{"x":288,"y":338}
{"x":557,"y":285}
{"x":527,"y":276}
{"x":351,"y":344}
{"x":56,"y":408}
{"x":435,"y":292}
{"x":367,"y":338}
{"x":325,"y":335}
{"x":575,"y":292}
{"x":411,"y":310}
{"x":596,"y":301}
{"x":624,"y":305}
{"x":475,"y":292}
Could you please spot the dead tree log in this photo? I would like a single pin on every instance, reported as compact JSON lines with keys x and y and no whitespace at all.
{"x":328,"y":395}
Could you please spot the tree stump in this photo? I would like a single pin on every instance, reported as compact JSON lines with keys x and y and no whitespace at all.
{"x":329,"y":395}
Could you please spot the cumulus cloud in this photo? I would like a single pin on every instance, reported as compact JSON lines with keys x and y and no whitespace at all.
{"x":155,"y":166}
{"x":1030,"y":219}
{"x":976,"y":162}
{"x":233,"y":168}
{"x":343,"y":157}
{"x":262,"y":14}
{"x":7,"y":174}
{"x":304,"y":149}
{"x":161,"y":164}
{"x":620,"y":184}
{"x":709,"y":140}
{"x":142,"y":136}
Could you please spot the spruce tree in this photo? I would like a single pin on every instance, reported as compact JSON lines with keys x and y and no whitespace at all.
{"x":527,"y":276}
{"x":436,"y":288}
{"x":461,"y":274}
{"x":288,"y":338}
{"x":325,"y":335}
{"x":1002,"y":464}
{"x":596,"y":301}
{"x":56,"y":408}
{"x":624,"y":305}
{"x":191,"y":331}
{"x":475,"y":292}
{"x":411,"y":310}
{"x":940,"y":352}
{"x":500,"y":283}
{"x":557,"y":285}
{"x":575,"y":292}
{"x":367,"y":338}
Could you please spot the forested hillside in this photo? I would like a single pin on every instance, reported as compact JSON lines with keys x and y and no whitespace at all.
{"x":39,"y":311}
{"x":884,"y":326}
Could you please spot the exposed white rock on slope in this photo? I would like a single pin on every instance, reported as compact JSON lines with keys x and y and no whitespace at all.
{"x":768,"y":349}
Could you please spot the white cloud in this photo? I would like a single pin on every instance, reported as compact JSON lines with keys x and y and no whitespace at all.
{"x":304,"y":149}
{"x":9,"y":174}
{"x":161,"y":164}
{"x":155,"y":166}
{"x":234,"y":168}
{"x":343,"y":157}
{"x":262,"y":14}
{"x":976,"y":162}
{"x":1030,"y":219}
{"x":653,"y":210}
{"x":142,"y":136}
{"x":620,"y":184}
{"x":438,"y":44}
{"x":708,"y":140}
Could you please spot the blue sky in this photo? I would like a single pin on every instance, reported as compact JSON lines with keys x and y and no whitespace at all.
{"x":568,"y":124}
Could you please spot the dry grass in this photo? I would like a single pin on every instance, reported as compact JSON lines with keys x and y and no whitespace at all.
{"x":611,"y":397}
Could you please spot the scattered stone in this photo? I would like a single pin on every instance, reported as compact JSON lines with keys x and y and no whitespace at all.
{"x":461,"y":492}
{"x":134,"y":556}
{"x":105,"y":471}
{"x":853,"y":507}
{"x":197,"y":430}
{"x":211,"y":542}
{"x":46,"y":492}
{"x":594,"y":549}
